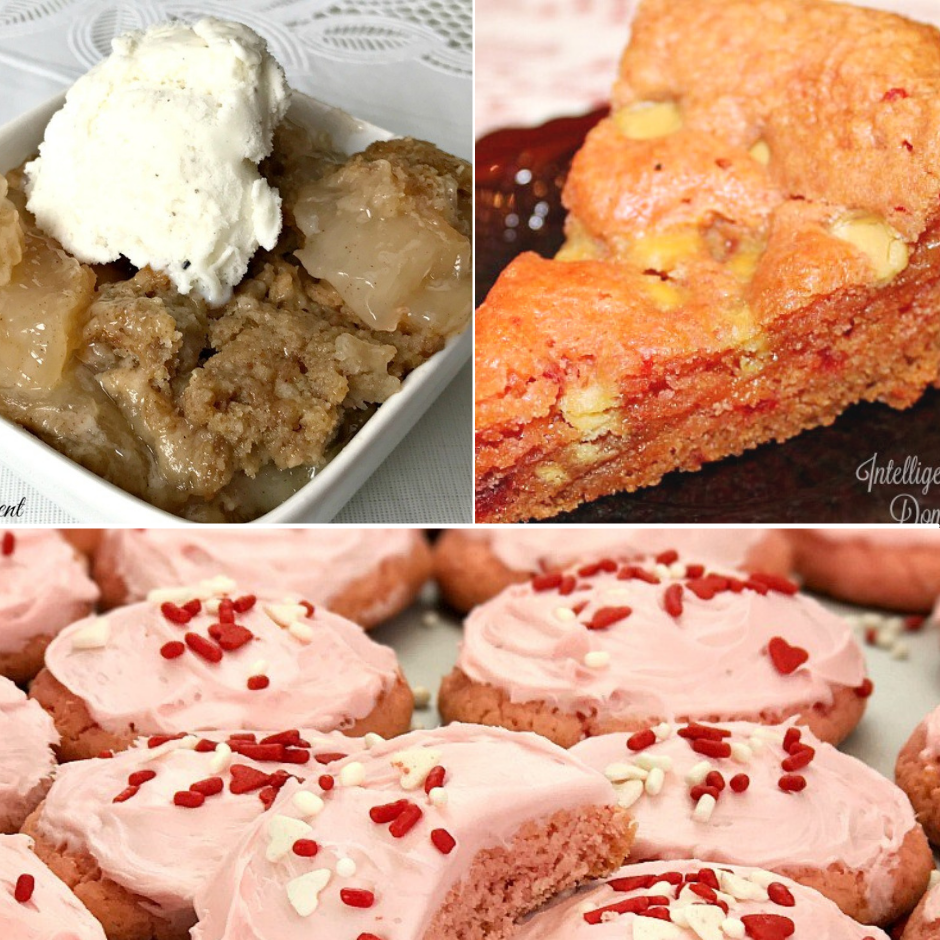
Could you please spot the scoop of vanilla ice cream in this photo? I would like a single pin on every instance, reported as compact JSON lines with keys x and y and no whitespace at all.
{"x":155,"y":155}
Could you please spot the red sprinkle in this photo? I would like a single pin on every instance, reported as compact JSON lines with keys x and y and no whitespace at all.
{"x":711,"y":748}
{"x":245,"y":779}
{"x":406,"y":821}
{"x":714,"y":779}
{"x":305,"y":848}
{"x":547,"y":581}
{"x":799,"y":758}
{"x":775,"y":582}
{"x":443,"y":841}
{"x":203,"y":648}
{"x":435,"y":779}
{"x":188,"y":799}
{"x":257,"y":683}
{"x":608,"y":616}
{"x":767,"y":926}
{"x":388,"y":812}
{"x":792,"y":783}
{"x":356,"y":897}
{"x":243,"y":604}
{"x":141,"y":776}
{"x":174,"y":614}
{"x":9,"y":544}
{"x":780,"y":894}
{"x":125,"y":795}
{"x":172,"y":650}
{"x":739,"y":782}
{"x":786,"y":658}
{"x":208,"y":787}
{"x":326,"y":782}
{"x":641,"y":740}
{"x":672,"y":600}
{"x":25,"y":884}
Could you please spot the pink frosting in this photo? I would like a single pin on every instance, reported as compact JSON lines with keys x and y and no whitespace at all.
{"x":813,"y":917}
{"x":495,"y":782}
{"x":887,"y":536}
{"x":52,"y":913}
{"x":310,"y":563}
{"x":848,"y":813}
{"x":27,"y":734}
{"x":533,"y":548}
{"x":328,"y":680}
{"x":43,"y":587}
{"x":146,"y":843}
{"x":712,"y":660}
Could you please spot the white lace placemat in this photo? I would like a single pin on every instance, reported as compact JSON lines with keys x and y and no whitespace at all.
{"x":404,"y":65}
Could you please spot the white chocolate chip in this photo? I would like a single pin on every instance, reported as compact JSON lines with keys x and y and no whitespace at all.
{"x":414,"y":765}
{"x":422,"y":696}
{"x":283,"y":832}
{"x":629,"y":793}
{"x":221,"y":758}
{"x":438,"y":796}
{"x":346,"y":867}
{"x":93,"y":636}
{"x":704,"y":808}
{"x":308,"y":804}
{"x":304,"y":892}
{"x":597,"y":659}
{"x":352,"y":775}
{"x":655,"y":781}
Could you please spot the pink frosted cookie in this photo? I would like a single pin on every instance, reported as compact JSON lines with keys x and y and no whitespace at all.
{"x":135,"y":835}
{"x":366,"y":575}
{"x":34,"y":904}
{"x":924,"y":923}
{"x":472,"y":566}
{"x":439,"y":835}
{"x":27,"y":736}
{"x":918,"y":773}
{"x":720,"y":793}
{"x":44,"y":586}
{"x":691,"y":900}
{"x":210,"y":657}
{"x":893,"y":567}
{"x":621,"y":646}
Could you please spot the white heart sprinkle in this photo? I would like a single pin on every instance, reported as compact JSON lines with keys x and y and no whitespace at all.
{"x":283,"y":832}
{"x":304,"y":892}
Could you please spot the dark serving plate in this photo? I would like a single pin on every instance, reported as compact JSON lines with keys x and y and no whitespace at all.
{"x":822,"y":476}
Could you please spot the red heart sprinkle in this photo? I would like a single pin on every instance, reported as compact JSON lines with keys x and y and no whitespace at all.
{"x":786,"y":658}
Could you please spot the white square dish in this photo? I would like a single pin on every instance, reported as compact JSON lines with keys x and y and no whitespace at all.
{"x":95,"y":500}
